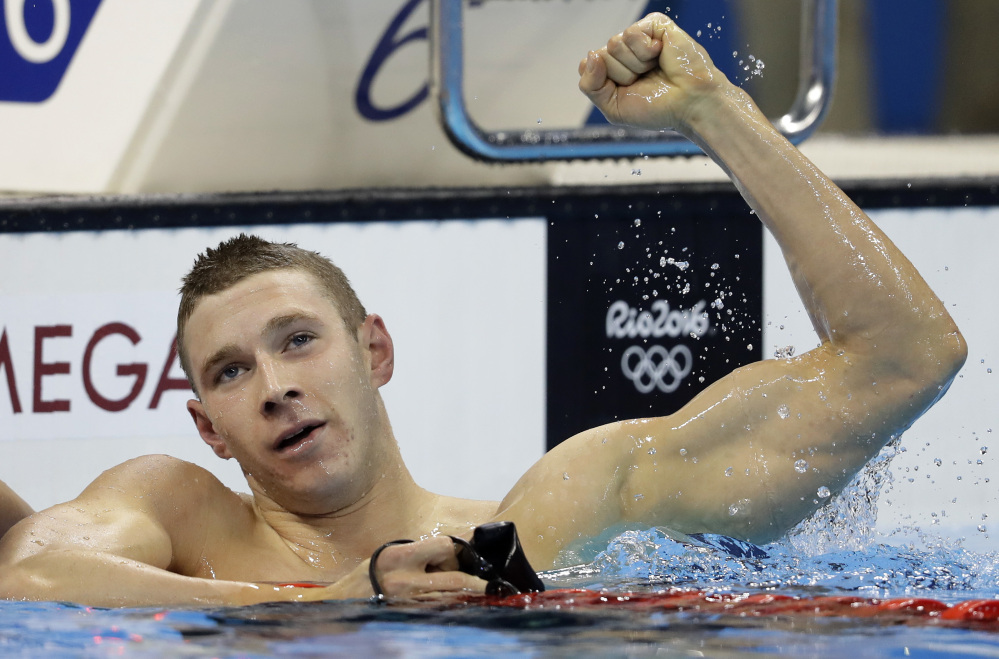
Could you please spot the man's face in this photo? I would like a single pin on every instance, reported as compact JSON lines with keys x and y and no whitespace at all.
{"x":288,"y":392}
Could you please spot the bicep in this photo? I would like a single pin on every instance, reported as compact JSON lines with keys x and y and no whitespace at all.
{"x":748,"y":456}
{"x":139,"y":511}
{"x":686,"y":471}
{"x":94,"y":525}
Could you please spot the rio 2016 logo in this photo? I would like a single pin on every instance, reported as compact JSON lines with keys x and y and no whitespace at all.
{"x":656,"y":367}
{"x":38,"y":39}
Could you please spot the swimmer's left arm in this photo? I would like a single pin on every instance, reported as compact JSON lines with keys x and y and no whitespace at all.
{"x":749,"y":456}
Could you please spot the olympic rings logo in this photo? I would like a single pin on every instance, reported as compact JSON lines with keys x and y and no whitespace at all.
{"x":657,"y":368}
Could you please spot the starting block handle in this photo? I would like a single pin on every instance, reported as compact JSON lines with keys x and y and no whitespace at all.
{"x":817,"y":73}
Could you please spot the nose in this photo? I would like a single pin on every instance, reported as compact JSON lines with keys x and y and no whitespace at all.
{"x":277,"y":386}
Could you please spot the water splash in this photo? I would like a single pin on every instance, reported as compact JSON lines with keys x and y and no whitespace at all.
{"x":652,"y":559}
{"x":834,"y":551}
{"x":847,"y":521}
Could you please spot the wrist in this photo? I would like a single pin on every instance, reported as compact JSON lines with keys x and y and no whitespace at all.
{"x":717,"y":112}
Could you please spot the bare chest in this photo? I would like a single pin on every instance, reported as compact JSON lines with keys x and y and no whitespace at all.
{"x":252,"y":550}
{"x":266,"y":557}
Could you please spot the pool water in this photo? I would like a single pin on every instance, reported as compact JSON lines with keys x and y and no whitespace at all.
{"x":576,"y":624}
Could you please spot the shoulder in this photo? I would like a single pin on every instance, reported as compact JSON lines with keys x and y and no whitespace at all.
{"x":184,"y":501}
{"x":151,"y":472}
{"x":163,"y":485}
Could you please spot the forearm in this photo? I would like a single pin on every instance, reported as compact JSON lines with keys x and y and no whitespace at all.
{"x":99,"y":579}
{"x":853,"y":281}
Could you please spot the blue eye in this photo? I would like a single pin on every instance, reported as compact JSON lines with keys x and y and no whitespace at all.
{"x":299,"y":340}
{"x":228,"y":373}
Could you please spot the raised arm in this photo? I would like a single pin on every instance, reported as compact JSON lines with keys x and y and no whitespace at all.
{"x":754,"y":453}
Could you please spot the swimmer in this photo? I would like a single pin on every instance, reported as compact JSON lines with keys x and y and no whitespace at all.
{"x":286,"y":367}
{"x":12,"y":508}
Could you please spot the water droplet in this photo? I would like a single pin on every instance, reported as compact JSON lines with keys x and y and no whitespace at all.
{"x":801,"y":466}
{"x":638,"y":222}
{"x":683,"y":451}
{"x":984,"y":450}
{"x":565,"y":475}
{"x":639,"y":497}
{"x":937,"y":461}
{"x":823,"y":492}
{"x":636,"y":172}
{"x":739,"y":507}
{"x":784,"y":353}
{"x":728,"y":472}
{"x":714,"y":266}
{"x":783,"y":412}
{"x":982,"y":528}
{"x":620,"y":245}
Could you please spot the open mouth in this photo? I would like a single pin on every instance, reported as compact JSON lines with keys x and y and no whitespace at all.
{"x":297,"y":438}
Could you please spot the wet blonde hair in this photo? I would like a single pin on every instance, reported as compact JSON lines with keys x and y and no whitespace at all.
{"x":244,"y":256}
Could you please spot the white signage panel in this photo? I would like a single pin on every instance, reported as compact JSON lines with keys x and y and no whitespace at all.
{"x":88,"y":321}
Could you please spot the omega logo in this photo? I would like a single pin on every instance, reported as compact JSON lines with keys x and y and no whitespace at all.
{"x":43,"y":369}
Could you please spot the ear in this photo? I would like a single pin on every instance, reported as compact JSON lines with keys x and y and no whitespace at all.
{"x":373,"y":337}
{"x":207,"y":430}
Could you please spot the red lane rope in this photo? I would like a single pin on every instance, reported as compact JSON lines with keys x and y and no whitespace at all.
{"x":909,"y":609}
{"x":299,"y":585}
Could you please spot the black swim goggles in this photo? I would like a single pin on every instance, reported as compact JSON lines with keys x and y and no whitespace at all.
{"x":494,"y":555}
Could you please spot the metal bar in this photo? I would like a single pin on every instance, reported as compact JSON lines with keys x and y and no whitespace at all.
{"x":817,"y":74}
